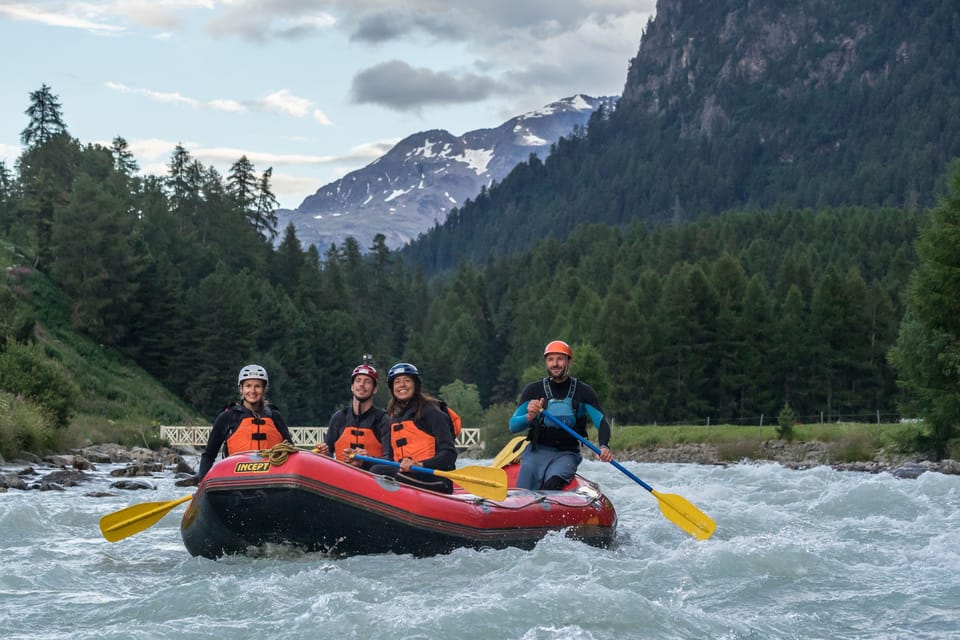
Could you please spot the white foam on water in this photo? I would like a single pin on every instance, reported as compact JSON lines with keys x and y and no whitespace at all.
{"x":796,"y":554}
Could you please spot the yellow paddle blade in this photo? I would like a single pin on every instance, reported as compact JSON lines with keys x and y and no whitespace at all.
{"x":682,"y":513}
{"x":134,"y":519}
{"x":510,"y":452}
{"x":485,"y":482}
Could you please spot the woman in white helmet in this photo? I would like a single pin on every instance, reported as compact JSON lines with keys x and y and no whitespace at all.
{"x":251,"y":424}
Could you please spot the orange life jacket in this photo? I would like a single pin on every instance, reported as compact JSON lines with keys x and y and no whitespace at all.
{"x":254,"y":434}
{"x":354,"y":437}
{"x":409,"y":441}
{"x":454,"y":418}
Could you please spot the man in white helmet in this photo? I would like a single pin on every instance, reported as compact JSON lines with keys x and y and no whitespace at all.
{"x":252,"y":424}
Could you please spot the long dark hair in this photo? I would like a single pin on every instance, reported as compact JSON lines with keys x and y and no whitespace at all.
{"x":417,"y":402}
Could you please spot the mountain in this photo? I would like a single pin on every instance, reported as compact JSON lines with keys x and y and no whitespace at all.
{"x":742,"y":104}
{"x":415,"y":184}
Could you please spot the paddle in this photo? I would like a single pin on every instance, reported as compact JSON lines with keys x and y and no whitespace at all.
{"x":510,"y":452}
{"x":134,"y":519}
{"x":485,"y":482}
{"x":676,"y":508}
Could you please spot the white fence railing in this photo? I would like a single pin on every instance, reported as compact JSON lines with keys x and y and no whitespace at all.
{"x":303,"y":437}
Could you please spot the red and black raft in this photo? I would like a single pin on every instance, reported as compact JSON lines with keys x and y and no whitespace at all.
{"x":316,"y":503}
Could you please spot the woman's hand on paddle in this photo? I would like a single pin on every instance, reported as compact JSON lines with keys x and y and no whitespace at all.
{"x":349,"y":453}
{"x":322,"y":449}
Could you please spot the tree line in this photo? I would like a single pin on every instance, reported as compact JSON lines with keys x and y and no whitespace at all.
{"x":726,"y":317}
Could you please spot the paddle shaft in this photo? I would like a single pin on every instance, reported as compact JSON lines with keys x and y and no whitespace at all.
{"x":434,"y":472}
{"x":676,"y":508}
{"x":485,"y":482}
{"x":594,"y":448}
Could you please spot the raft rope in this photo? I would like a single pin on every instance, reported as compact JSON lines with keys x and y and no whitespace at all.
{"x":278,"y":453}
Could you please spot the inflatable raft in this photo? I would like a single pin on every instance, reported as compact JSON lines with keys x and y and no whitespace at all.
{"x":316,"y":503}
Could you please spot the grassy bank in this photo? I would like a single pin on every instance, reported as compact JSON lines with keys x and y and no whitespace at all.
{"x":850,"y":441}
{"x":60,"y":389}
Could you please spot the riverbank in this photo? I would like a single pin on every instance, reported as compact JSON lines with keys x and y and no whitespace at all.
{"x":792,"y":455}
{"x":54,"y":472}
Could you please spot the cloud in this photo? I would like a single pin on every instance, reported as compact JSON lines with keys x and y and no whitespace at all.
{"x":382,"y":26}
{"x":532,"y":51}
{"x":524,"y":53}
{"x":262,"y":21}
{"x":282,"y":101}
{"x":396,"y":85}
{"x":158,"y":96}
{"x":285,"y":102}
{"x":153,"y":152}
{"x":69,"y":17}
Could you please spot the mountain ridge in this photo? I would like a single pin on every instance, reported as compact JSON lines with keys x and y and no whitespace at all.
{"x":414,"y":185}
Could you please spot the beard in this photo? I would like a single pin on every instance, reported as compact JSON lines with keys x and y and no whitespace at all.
{"x":559,"y":374}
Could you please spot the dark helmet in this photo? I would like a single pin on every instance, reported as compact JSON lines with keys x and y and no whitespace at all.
{"x":366,"y":370}
{"x":403,"y":369}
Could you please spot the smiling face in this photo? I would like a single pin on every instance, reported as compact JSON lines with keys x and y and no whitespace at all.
{"x":252,"y":392}
{"x":363,"y":387}
{"x":558,"y":366}
{"x":403,"y":387}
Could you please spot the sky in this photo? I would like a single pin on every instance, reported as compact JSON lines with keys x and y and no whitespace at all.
{"x":312,"y":89}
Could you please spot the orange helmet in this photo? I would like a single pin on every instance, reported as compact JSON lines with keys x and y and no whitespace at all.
{"x":558,"y":346}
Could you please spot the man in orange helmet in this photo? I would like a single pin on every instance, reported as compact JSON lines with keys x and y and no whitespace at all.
{"x":551,"y":459}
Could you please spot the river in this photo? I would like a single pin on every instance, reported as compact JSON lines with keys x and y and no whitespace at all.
{"x":797,"y":554}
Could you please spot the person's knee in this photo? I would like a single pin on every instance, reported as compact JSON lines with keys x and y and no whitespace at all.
{"x":554,"y":483}
{"x":383,"y":470}
{"x":430,"y":483}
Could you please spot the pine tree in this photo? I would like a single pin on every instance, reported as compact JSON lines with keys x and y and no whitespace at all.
{"x":266,"y":210}
{"x":46,"y":118}
{"x":927,"y":353}
{"x":288,"y":262}
{"x":94,"y":256}
{"x":123,"y":159}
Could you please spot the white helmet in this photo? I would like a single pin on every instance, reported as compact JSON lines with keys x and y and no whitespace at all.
{"x":253,"y":372}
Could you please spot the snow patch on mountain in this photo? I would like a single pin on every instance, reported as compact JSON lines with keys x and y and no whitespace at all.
{"x":477,"y":159}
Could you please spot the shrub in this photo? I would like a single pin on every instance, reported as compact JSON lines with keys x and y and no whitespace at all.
{"x":738,"y":450}
{"x":855,"y":445}
{"x":27,"y":372}
{"x":23,"y":427}
{"x":465,"y":400}
{"x":785,"y":421}
{"x":495,"y":428}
